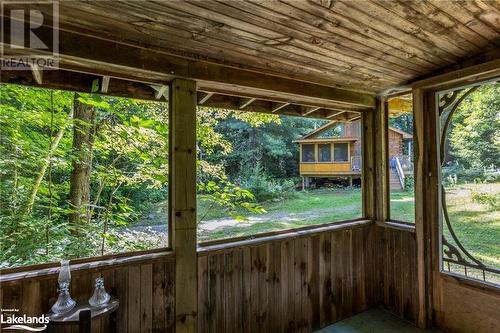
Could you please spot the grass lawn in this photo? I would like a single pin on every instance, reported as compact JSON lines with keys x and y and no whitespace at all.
{"x":402,"y":205}
{"x":477,"y":225}
{"x":300,"y":209}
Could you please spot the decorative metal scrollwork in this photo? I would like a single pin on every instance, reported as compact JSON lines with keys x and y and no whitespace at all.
{"x":453,"y":250}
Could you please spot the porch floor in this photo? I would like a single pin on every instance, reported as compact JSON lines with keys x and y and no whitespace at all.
{"x":373,"y":321}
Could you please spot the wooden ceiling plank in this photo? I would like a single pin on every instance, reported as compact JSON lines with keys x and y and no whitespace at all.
{"x":333,"y":32}
{"x":434,"y":21}
{"x":390,"y":23}
{"x":234,"y":19}
{"x":469,"y":15}
{"x":385,"y":43}
{"x":244,"y":102}
{"x":89,"y":51}
{"x":257,"y":17}
{"x":173,"y":39}
{"x":205,"y":96}
{"x":219,"y":37}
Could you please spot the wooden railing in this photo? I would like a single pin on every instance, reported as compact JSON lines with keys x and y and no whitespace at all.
{"x":356,"y":163}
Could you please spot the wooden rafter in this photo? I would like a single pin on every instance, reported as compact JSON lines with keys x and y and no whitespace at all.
{"x":278,"y":106}
{"x":205,"y":96}
{"x":244,"y":102}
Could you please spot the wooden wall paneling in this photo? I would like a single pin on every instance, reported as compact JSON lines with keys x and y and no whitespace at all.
{"x":182,"y":200}
{"x":134,"y":309}
{"x":337,"y":268}
{"x":325,"y":280}
{"x":314,"y":285}
{"x":146,"y":298}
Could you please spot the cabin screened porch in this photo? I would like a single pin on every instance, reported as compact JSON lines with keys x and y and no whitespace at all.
{"x":346,"y":62}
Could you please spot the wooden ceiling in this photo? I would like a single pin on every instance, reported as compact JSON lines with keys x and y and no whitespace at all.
{"x":314,"y":58}
{"x":366,"y":45}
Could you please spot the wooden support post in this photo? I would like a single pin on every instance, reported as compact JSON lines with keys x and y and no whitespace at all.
{"x":423,"y":144}
{"x":368,"y":164}
{"x":381,"y":160}
{"x":182,"y":199}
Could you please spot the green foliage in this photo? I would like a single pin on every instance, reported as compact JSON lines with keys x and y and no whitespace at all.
{"x":409,"y":183}
{"x":264,"y":187}
{"x":128,"y":177}
{"x":475,"y":132}
{"x":490,"y":200}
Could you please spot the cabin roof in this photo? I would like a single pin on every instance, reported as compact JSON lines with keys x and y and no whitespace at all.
{"x":403,"y":133}
{"x":327,"y":140}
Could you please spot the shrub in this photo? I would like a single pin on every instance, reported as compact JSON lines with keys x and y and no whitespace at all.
{"x":490,"y":200}
{"x":264,"y":187}
{"x":409,"y":183}
{"x":457,"y":174}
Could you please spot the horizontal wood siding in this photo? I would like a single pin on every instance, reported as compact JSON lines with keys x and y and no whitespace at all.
{"x":397,"y":272}
{"x":288,"y":285}
{"x":145,"y":290}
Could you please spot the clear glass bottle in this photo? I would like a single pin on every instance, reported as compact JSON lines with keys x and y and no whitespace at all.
{"x":100,"y":296}
{"x":64,"y":302}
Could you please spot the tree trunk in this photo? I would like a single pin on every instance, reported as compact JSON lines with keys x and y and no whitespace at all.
{"x":83,"y":139}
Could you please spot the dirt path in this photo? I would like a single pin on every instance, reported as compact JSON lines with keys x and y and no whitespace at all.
{"x":221,"y":223}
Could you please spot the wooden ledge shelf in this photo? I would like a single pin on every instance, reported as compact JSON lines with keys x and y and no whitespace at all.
{"x":206,"y":247}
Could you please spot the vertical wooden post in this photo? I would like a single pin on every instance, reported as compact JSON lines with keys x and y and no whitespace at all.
{"x":182,"y":199}
{"x":422,"y":142}
{"x":368,"y":164}
{"x":381,"y":160}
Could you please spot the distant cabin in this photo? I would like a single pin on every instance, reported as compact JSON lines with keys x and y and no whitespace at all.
{"x":333,"y":151}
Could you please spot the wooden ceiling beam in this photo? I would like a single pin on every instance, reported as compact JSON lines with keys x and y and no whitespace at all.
{"x":92,"y":54}
{"x":79,"y":82}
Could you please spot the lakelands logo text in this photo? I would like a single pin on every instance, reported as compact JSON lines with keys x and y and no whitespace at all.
{"x":22,"y":322}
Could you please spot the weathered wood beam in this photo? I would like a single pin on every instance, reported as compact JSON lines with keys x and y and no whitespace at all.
{"x":381,"y":159}
{"x":92,"y":54}
{"x":37,"y":73}
{"x":161,"y":91}
{"x":244,"y":102}
{"x":105,"y":84}
{"x":204,"y":96}
{"x":79,"y":82}
{"x":306,"y":110}
{"x":182,"y":201}
{"x":335,"y":114}
{"x":278,"y":106}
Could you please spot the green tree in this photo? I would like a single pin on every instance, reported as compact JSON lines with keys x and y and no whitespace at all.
{"x":475,"y":135}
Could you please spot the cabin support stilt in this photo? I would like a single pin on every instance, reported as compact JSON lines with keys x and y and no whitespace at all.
{"x":182,"y":199}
